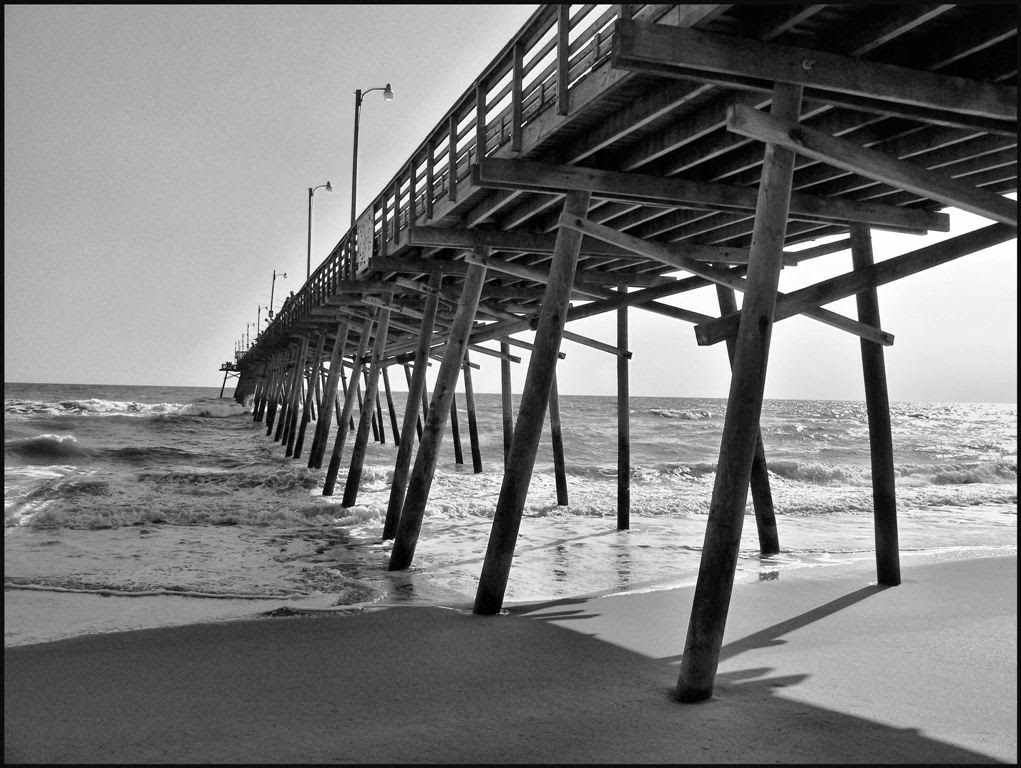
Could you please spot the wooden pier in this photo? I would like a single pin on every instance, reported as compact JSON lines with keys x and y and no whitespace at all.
{"x":612,"y":156}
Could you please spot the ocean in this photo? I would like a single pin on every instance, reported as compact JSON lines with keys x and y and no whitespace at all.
{"x":131,"y":490}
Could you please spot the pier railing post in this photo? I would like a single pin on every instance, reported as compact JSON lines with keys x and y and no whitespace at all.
{"x":877,"y":403}
{"x":532,"y":412}
{"x":711,"y":600}
{"x":410,"y":524}
{"x":350,"y":398}
{"x":354,"y":474}
{"x":762,"y":495}
{"x":416,"y":384}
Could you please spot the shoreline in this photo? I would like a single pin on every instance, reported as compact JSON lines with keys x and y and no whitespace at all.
{"x":824,"y":666}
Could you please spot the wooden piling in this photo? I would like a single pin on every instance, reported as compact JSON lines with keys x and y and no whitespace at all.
{"x":313,"y":379}
{"x":416,"y":384}
{"x":354,"y":475}
{"x":345,"y":418}
{"x":557,"y":435}
{"x":408,"y":377}
{"x":455,"y":431}
{"x":390,"y":406}
{"x":877,"y":403}
{"x":299,"y":378}
{"x":315,"y":456}
{"x":379,"y":416}
{"x":410,"y":524}
{"x":473,"y":424}
{"x":623,"y":422}
{"x":762,"y":495}
{"x":506,"y":399}
{"x":711,"y":600}
{"x":276,"y":388}
{"x":532,"y":412}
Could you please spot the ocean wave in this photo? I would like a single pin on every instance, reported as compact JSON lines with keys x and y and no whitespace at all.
{"x":819,"y":473}
{"x":672,"y":413}
{"x":47,"y":448}
{"x":126,"y":408}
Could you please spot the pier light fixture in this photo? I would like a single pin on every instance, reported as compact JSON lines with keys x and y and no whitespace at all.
{"x":272,"y":288}
{"x":308,"y":260}
{"x":388,"y":95}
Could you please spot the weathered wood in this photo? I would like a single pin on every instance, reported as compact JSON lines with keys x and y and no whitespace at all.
{"x":506,"y":402}
{"x":872,"y":164}
{"x":623,"y":424}
{"x":416,"y":386}
{"x":313,"y":378}
{"x":315,"y":457}
{"x":390,"y":406}
{"x":354,"y":474}
{"x":711,"y":600}
{"x":646,"y":189}
{"x":877,"y":403}
{"x":740,"y":62}
{"x":531,"y":414}
{"x":865,"y":278}
{"x":762,"y":495}
{"x":410,"y":524}
{"x":714,"y":274}
{"x":563,"y":58}
{"x":455,"y":431}
{"x":557,"y":437}
{"x":346,"y":422}
{"x":473,"y":424}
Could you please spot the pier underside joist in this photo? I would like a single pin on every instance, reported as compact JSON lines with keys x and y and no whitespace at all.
{"x":613,"y":156}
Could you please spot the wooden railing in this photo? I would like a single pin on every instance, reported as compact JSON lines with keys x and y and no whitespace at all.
{"x":557,"y":48}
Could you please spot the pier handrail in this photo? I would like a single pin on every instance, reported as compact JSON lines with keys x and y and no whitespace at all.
{"x":535,"y":71}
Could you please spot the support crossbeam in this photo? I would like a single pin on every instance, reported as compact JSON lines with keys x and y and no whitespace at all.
{"x":875,"y":165}
{"x":677,"y":192}
{"x":716,"y":275}
{"x":866,"y":278}
{"x":740,"y":62}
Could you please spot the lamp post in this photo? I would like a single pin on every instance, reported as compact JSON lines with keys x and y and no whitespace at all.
{"x":312,"y":191}
{"x":388,"y":95}
{"x":272,"y":287}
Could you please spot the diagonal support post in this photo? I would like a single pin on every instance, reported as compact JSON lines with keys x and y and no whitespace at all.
{"x":711,"y":600}
{"x":532,"y":411}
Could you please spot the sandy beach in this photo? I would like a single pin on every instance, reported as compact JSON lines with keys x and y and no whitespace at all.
{"x":821,"y":667}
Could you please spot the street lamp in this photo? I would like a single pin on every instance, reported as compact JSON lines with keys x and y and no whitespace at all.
{"x":282,"y":274}
{"x":312,"y":191}
{"x":388,"y":95}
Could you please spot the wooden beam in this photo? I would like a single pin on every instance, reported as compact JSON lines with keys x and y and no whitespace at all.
{"x":410,"y":523}
{"x":716,"y":275}
{"x":416,"y":386}
{"x":676,"y":192}
{"x":863,"y":279}
{"x":531,"y":415}
{"x":877,"y":403}
{"x":875,"y":165}
{"x":740,"y":62}
{"x":711,"y":598}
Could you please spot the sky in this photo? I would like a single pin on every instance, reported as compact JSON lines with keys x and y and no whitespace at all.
{"x":157,"y":161}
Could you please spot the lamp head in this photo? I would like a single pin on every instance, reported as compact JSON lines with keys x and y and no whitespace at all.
{"x":388,"y":94}
{"x":328,"y":187}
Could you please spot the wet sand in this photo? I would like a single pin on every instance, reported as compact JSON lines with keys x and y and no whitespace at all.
{"x":823,"y":667}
